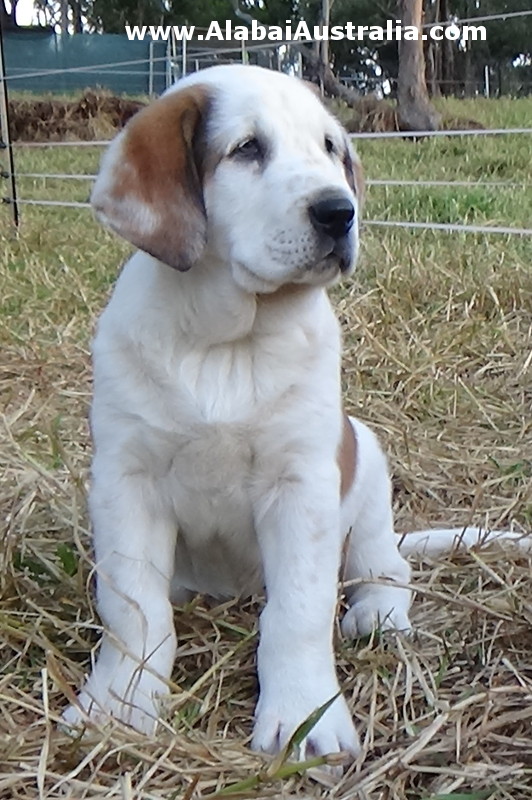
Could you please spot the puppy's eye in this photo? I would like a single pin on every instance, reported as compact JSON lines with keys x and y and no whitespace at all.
{"x":249,"y":150}
{"x":329,"y":145}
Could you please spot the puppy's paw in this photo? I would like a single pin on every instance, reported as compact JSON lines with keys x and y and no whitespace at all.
{"x":131,"y":700}
{"x":379,"y":608}
{"x":280,"y":713}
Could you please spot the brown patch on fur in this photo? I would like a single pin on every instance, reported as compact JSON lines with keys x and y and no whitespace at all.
{"x":355,"y":176}
{"x":211,"y":159}
{"x":154,"y":198}
{"x":360,"y":183}
{"x":346,"y":457}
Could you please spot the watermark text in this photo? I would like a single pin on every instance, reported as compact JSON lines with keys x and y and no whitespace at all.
{"x":302,"y":31}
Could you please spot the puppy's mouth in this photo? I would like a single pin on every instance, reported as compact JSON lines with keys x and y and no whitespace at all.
{"x":344,"y":253}
{"x":339,"y":256}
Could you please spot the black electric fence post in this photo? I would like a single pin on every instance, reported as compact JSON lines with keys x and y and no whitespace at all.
{"x":5,"y":141}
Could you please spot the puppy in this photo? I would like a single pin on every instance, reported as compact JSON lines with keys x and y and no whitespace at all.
{"x":223,"y":461}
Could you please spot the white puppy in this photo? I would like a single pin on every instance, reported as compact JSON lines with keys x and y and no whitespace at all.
{"x":223,"y":461}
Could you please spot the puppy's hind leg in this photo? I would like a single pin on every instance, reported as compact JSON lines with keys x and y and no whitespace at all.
{"x":372,"y":551}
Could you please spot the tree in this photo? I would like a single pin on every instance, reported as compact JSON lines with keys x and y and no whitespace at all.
{"x":456,"y":66}
{"x":449,"y":64}
{"x":8,"y":15}
{"x":316,"y":59}
{"x":414,"y":110}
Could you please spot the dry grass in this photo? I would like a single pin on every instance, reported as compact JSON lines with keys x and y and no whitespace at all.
{"x":93,"y":115}
{"x":97,"y":114}
{"x":438,"y":336}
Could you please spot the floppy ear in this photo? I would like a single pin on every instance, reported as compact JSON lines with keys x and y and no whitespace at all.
{"x":354,"y":173}
{"x":149,"y":189}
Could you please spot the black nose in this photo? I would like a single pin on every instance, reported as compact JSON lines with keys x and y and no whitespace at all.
{"x":333,"y":216}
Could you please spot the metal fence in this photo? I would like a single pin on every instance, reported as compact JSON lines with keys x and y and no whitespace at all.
{"x":43,"y":61}
{"x":436,"y":226}
{"x":156,"y":66}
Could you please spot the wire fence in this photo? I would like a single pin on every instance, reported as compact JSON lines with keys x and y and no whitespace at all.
{"x":485,"y":18}
{"x":436,"y":226}
{"x":185,"y":54}
{"x":358,"y":135}
{"x":469,"y":184}
{"x":407,"y":224}
{"x":12,"y":175}
{"x":22,"y":74}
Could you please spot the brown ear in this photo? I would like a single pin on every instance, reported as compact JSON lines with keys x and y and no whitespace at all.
{"x":149,"y":189}
{"x":354,"y":174}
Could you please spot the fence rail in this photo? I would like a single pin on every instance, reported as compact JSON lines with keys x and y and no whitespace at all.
{"x":172,"y":62}
{"x":87,"y":68}
{"x":394,"y":183}
{"x":361,"y":135}
{"x":436,"y":226}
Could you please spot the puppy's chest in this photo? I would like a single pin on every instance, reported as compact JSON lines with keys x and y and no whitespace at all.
{"x":206,"y":460}
{"x":209,"y":487}
{"x":208,"y":421}
{"x":235,"y":384}
{"x":202,"y":477}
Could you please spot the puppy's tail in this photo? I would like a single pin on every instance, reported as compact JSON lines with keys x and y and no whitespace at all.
{"x":444,"y":540}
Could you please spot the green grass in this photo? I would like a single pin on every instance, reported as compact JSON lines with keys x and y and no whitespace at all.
{"x":438,"y":337}
{"x":480,"y":159}
{"x":505,"y":112}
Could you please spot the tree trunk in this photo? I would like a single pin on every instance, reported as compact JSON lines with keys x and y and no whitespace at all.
{"x":431,"y":68}
{"x":469,"y":85}
{"x":331,"y":85}
{"x":64,"y":17}
{"x":311,"y":56}
{"x":8,"y":19}
{"x":414,"y":110}
{"x":448,"y":71}
{"x":432,"y":55}
{"x":75,"y":6}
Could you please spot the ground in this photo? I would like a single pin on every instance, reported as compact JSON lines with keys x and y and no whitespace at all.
{"x":438,"y":342}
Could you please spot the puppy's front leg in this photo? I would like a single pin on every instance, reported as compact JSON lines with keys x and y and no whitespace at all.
{"x":297,"y":523}
{"x":134,"y":549}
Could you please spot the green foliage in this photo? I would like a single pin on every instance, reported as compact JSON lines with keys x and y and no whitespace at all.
{"x":506,"y":39}
{"x":68,"y":558}
{"x":111,"y":16}
{"x":461,"y":796}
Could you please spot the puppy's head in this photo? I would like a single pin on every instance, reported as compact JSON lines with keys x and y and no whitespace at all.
{"x":242,"y":166}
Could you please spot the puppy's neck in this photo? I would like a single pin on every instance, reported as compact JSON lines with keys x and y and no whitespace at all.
{"x":210,"y":308}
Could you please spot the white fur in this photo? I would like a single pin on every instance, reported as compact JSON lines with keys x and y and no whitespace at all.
{"x":216,"y":422}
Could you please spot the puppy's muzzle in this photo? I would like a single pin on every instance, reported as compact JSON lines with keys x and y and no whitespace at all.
{"x":332,"y":216}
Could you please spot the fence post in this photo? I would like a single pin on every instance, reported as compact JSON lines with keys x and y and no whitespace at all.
{"x":150,"y":72}
{"x":184,"y":57}
{"x":168,"y":63}
{"x":5,"y":141}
